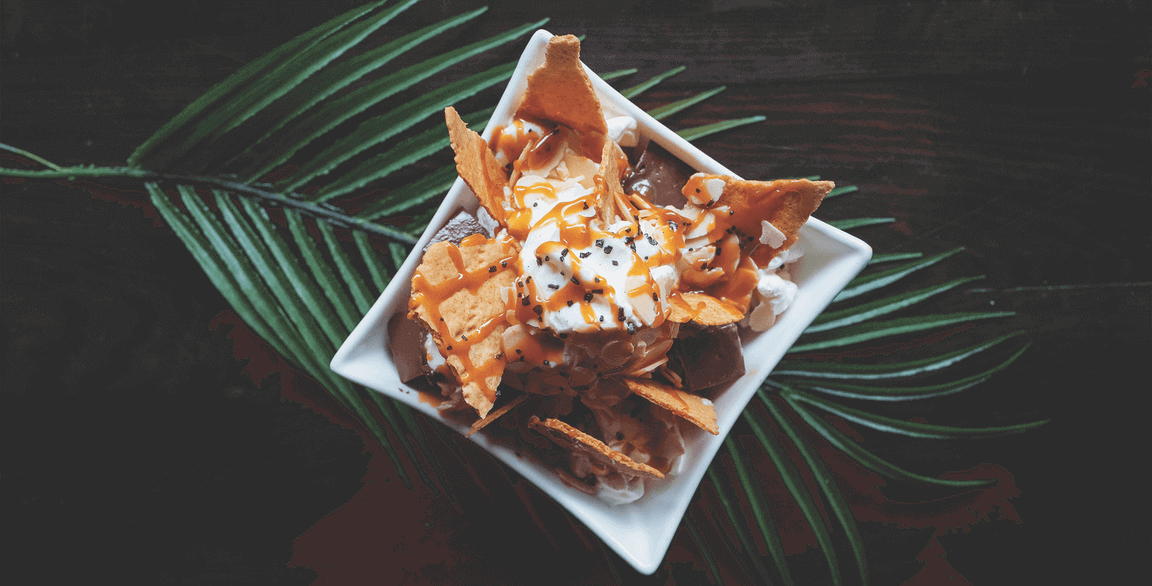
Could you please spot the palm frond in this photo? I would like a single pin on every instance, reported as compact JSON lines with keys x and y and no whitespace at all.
{"x":745,"y":546}
{"x":756,"y":501}
{"x":259,"y":244}
{"x":827,"y":485}
{"x":796,"y":486}
{"x":245,"y":77}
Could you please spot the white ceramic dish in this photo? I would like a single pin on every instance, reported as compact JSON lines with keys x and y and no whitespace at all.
{"x":642,"y":531}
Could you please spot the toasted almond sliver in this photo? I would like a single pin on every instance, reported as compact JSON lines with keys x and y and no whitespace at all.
{"x":682,"y":403}
{"x":573,"y":439}
{"x":610,"y":172}
{"x":495,"y":414}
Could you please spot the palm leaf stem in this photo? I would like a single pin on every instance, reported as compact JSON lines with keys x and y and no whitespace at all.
{"x":319,"y":211}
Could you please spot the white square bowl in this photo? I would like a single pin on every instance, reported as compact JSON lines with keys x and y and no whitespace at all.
{"x":641,"y":531}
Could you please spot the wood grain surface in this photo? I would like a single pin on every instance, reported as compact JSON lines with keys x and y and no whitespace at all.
{"x":150,"y":438}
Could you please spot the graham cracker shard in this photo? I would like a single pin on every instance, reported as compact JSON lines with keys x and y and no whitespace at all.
{"x":785,"y":203}
{"x":574,"y":440}
{"x":560,"y":91}
{"x":683,"y":404}
{"x":703,"y":309}
{"x":495,"y":414}
{"x":476,"y":164}
{"x":610,"y":171}
{"x":467,"y":313}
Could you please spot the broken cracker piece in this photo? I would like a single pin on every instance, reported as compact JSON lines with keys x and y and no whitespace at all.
{"x":456,"y":295}
{"x":785,"y":203}
{"x":703,"y":309}
{"x":573,"y":439}
{"x":476,"y":164}
{"x":560,"y":91}
{"x":495,"y":414}
{"x":691,"y":407}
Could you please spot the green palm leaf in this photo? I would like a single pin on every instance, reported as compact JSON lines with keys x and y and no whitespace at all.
{"x":908,"y":428}
{"x":873,"y":462}
{"x":797,"y":488}
{"x":247,"y":75}
{"x":827,"y":486}
{"x":261,"y":247}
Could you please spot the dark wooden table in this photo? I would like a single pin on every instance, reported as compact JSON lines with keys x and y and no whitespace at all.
{"x":149,"y":437}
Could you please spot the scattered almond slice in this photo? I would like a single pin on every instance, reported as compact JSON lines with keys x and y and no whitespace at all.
{"x":495,"y":414}
{"x":691,"y":407}
{"x":477,"y":165}
{"x":574,"y":440}
{"x":610,"y":173}
{"x":560,"y":91}
{"x":703,"y":309}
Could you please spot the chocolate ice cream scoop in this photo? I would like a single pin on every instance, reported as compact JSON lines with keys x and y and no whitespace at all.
{"x":406,"y":340}
{"x":705,"y":357}
{"x":658,"y":176}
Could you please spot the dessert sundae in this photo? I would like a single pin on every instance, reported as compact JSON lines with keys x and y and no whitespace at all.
{"x":594,"y":301}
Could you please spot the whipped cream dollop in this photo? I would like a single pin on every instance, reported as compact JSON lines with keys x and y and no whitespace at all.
{"x":775,"y":290}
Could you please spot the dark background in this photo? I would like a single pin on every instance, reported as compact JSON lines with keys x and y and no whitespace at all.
{"x":146,"y":436}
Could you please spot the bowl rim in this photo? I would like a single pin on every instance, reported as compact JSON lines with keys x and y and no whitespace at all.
{"x":365,"y":359}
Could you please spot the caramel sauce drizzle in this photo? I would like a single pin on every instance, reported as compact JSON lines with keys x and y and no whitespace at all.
{"x":431,"y":297}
